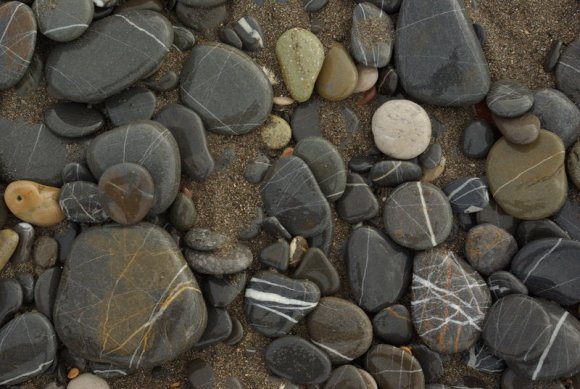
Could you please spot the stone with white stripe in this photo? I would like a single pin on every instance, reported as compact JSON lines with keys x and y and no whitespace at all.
{"x":567,"y":70}
{"x":480,"y":357}
{"x":393,"y":367}
{"x":509,"y":99}
{"x":503,"y":283}
{"x":81,"y":202}
{"x":358,"y":203}
{"x":557,"y":113}
{"x":250,"y":32}
{"x":449,"y":301}
{"x":467,"y":194}
{"x":417,"y":215}
{"x":63,"y":20}
{"x":372,"y":35}
{"x":274,"y":303}
{"x":393,"y":173}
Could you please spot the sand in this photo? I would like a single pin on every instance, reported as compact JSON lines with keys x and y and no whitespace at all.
{"x":519,"y":33}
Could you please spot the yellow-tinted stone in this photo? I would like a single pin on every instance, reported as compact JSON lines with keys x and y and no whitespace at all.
{"x":8,"y":243}
{"x":276,"y":133}
{"x":339,"y":76}
{"x":34,"y":203}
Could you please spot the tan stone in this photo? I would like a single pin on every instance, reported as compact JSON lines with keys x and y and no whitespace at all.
{"x":34,"y":203}
{"x":430,"y":175}
{"x":339,"y":76}
{"x":276,"y":133}
{"x":8,"y":243}
{"x":367,"y":78}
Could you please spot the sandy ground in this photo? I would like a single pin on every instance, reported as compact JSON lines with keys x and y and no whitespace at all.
{"x":519,"y":33}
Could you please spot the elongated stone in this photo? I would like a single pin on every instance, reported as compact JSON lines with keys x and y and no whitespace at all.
{"x":394,"y":173}
{"x":233,"y":261}
{"x":371,"y":36}
{"x":34,"y":203}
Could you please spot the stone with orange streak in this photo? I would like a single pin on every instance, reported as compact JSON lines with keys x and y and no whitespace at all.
{"x":34,"y":203}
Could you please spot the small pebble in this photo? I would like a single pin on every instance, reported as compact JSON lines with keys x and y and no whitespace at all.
{"x":34,"y":203}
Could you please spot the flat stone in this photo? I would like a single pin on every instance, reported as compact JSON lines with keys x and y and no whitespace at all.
{"x":8,"y":243}
{"x":521,"y":130}
{"x":45,"y":252}
{"x":11,"y":299}
{"x":418,"y":215}
{"x":73,"y":120}
{"x":233,"y":261}
{"x":276,"y":133}
{"x":340,"y":328}
{"x":88,"y":380}
{"x":200,"y":374}
{"x":346,"y":376}
{"x":493,"y":214}
{"x":393,"y":325}
{"x":34,"y":203}
{"x":152,"y":146}
{"x":221,"y":292}
{"x":528,"y":181}
{"x":401,"y":129}
{"x":80,"y":72}
{"x":45,"y":291}
{"x":567,"y":71}
{"x":358,"y":203}
{"x":509,"y":98}
{"x":18,"y":27}
{"x":274,"y":303}
{"x":439,"y":58}
{"x":75,"y":171}
{"x":338,"y":77}
{"x":558,"y":114}
{"x":201,"y":239}
{"x":163,"y":316}
{"x":250,"y":33}
{"x":257,"y":169}
{"x":219,"y":328}
{"x":372,"y":35}
{"x":316,"y":267}
{"x":201,"y":19}
{"x":81,"y":202}
{"x":489,"y":248}
{"x":449,"y":301}
{"x":393,"y":173}
{"x":306,"y":120}
{"x":63,"y":20}
{"x":392,"y":367}
{"x":480,"y":357}
{"x":131,"y":105}
{"x":298,"y":360}
{"x":530,"y":230}
{"x":300,"y":56}
{"x":378,"y":270}
{"x":477,"y":139}
{"x":241,"y":95}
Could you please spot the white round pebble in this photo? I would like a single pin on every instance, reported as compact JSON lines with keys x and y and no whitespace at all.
{"x":401,"y":128}
{"x":283,"y":100}
{"x":88,"y":381}
{"x":367,"y":77}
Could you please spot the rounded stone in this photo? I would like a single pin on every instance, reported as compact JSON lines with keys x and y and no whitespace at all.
{"x":521,"y":130}
{"x":503,"y":283}
{"x":276,"y":133}
{"x":573,"y":164}
{"x":8,"y":243}
{"x":558,"y":114}
{"x":131,"y":105}
{"x":372,"y":35}
{"x":489,"y":248}
{"x":182,"y":213}
{"x":528,"y":181}
{"x":477,"y":139}
{"x":346,"y":376}
{"x":11,"y":299}
{"x":34,"y":203}
{"x":367,"y":78}
{"x":81,"y":203}
{"x":45,"y":253}
{"x":393,"y":367}
{"x":509,"y":98}
{"x":401,"y":129}
{"x":88,"y":380}
{"x":63,"y":20}
{"x":73,"y":120}
{"x":393,"y":325}
{"x":339,"y":76}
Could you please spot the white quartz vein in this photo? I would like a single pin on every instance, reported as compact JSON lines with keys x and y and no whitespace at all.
{"x":426,"y":214}
{"x":549,"y":346}
{"x":144,"y":31}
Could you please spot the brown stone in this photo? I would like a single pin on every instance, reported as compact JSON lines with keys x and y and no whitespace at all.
{"x":338,"y":77}
{"x":8,"y":243}
{"x":34,"y":203}
{"x":522,"y":130}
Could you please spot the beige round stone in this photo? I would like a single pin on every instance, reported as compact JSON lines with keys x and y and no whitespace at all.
{"x":8,"y":243}
{"x":402,"y":129}
{"x":367,"y":77}
{"x":276,"y":133}
{"x":34,"y":203}
{"x":88,"y":381}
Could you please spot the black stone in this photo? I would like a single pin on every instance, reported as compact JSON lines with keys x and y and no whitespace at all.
{"x":219,"y":327}
{"x":73,"y":120}
{"x":503,"y":283}
{"x":306,"y":120}
{"x":509,"y":98}
{"x":250,"y":33}
{"x":316,"y":267}
{"x":431,"y":157}
{"x":567,"y":78}
{"x":256,"y":169}
{"x":371,"y":35}
{"x":467,"y":194}
{"x":477,"y":139}
{"x":568,"y":217}
{"x":430,"y":361}
{"x":394,"y":173}
{"x":276,"y":255}
{"x":236,"y":259}
{"x":11,"y":299}
{"x":237,"y":333}
{"x":358,"y":203}
{"x":361,"y":163}
{"x":27,"y":282}
{"x":480,"y":357}
{"x":80,"y":202}
{"x":75,"y":171}
{"x":45,"y":291}
{"x":393,"y":325}
{"x":131,"y":105}
{"x":65,"y":239}
{"x":557,"y":113}
{"x":553,"y":56}
{"x":228,"y":36}
{"x":530,"y":230}
{"x":221,"y":292}
{"x":273,"y":227}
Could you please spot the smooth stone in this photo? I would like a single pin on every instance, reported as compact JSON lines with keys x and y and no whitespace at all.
{"x":573,"y":164}
{"x":430,"y":361}
{"x":392,"y":367}
{"x":274,"y":303}
{"x":338,"y":77}
{"x":292,"y":195}
{"x":467,"y":194}
{"x":45,"y":291}
{"x":389,"y":6}
{"x":127,"y":192}
{"x":28,"y":347}
{"x":300,"y":55}
{"x":200,"y":374}
{"x":298,"y":360}
{"x":372,"y":35}
{"x":388,"y":81}
{"x":81,"y":203}
{"x":26,"y":235}
{"x":203,"y":3}
{"x":367,"y":78}
{"x":45,"y":252}
{"x":276,"y":255}
{"x":88,"y":380}
{"x":550,"y":268}
{"x":567,"y":71}
{"x":252,"y":229}
{"x":256,"y":169}
{"x":558,"y":114}
{"x":241,"y":97}
{"x":11,"y":299}
{"x":73,"y":120}
{"x":511,"y":380}
{"x":316,"y":267}
{"x":201,"y":239}
{"x":27,"y":283}
{"x":167,"y":82}
{"x":183,"y":39}
{"x":509,"y":99}
{"x":221,"y":292}
{"x":431,"y":157}
{"x":131,"y":105}
{"x":553,"y":56}
{"x":358,"y":203}
{"x":34,"y":203}
{"x":340,"y":328}
{"x":489,"y":248}
{"x":3,"y":211}
{"x":101,"y":12}
{"x":528,"y":181}
{"x":8,"y":244}
{"x":80,"y":72}
{"x":530,"y":230}
{"x":228,"y":36}
{"x":306,"y":120}
{"x":153,"y":5}
{"x":480,"y":32}
{"x":493,"y":214}
{"x":18,"y":27}
{"x":393,"y":173}
{"x":324,"y":240}
{"x":568,"y":217}
{"x":250,"y":33}
{"x":449,"y":301}
{"x":418,"y":215}
{"x":236,"y":336}
{"x":152,"y":146}
{"x":503,"y":283}
{"x":276,"y":133}
{"x":393,"y":325}
{"x":233,"y":261}
{"x":521,"y":130}
{"x":93,"y":311}
{"x":182,"y":213}
{"x":378,"y":270}
{"x":480,"y":357}
{"x":466,"y":220}
{"x":477,"y":139}
{"x":346,"y":376}
{"x":63,"y":20}
{"x":32,"y":78}
{"x":65,"y":239}
{"x":75,"y":171}
{"x":430,"y":175}
{"x":313,"y":5}
{"x":219,"y":328}
{"x":401,"y":129}
{"x":439,"y":58}
{"x":201,"y":19}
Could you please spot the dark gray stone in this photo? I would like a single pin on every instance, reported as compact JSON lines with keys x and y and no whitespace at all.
{"x":200,"y":374}
{"x":393,"y":325}
{"x":323,"y":241}
{"x":45,"y":291}
{"x":389,"y":6}
{"x":567,"y":72}
{"x":553,"y":55}
{"x":276,"y":255}
{"x":219,"y":328}
{"x":182,"y":213}
{"x":65,"y":239}
{"x":489,"y":248}
{"x":388,"y":81}
{"x":201,"y":239}
{"x":236,"y":336}
{"x":313,"y":5}
{"x":346,"y":376}
{"x":228,"y":36}
{"x":221,"y":292}
{"x":32,"y":78}
{"x":316,"y":267}
{"x":493,"y":214}
{"x":250,"y":33}
{"x":371,"y":36}
{"x":254,"y":227}
{"x":467,"y":194}
{"x":430,"y":361}
{"x":394,"y":173}
{"x":168,"y":81}
{"x":201,"y":18}
{"x":11,"y":299}
{"x":75,"y":171}
{"x":63,"y":20}
{"x":233,"y":261}
{"x":73,"y":120}
{"x":81,"y":202}
{"x":480,"y":357}
{"x":431,"y":157}
{"x":27,"y":282}
{"x":557,"y":113}
{"x":183,"y":39}
{"x":477,"y":139}
{"x":361,"y":163}
{"x":392,"y":367}
{"x":306,"y":120}
{"x":568,"y":217}
{"x":131,"y":105}
{"x":26,"y":236}
{"x":509,"y":98}
{"x":358,"y":203}
{"x":503,"y":283}
{"x":530,"y":230}
{"x":256,"y":169}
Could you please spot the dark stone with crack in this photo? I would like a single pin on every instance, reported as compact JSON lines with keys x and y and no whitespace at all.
{"x":509,"y":99}
{"x":81,"y":202}
{"x":392,"y":367}
{"x":568,"y":217}
{"x":250,"y":33}
{"x":257,"y":169}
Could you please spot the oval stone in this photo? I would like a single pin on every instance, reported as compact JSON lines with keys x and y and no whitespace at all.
{"x":230,"y":262}
{"x":509,"y":99}
{"x":489,"y":248}
{"x":393,"y":367}
{"x":81,"y":203}
{"x":338,"y":76}
{"x":135,"y":41}
{"x":34,"y":203}
{"x":73,"y":120}
{"x":394,"y":173}
{"x":567,"y":71}
{"x":528,"y":181}
{"x":63,"y":20}
{"x":557,"y":113}
{"x":371,"y":36}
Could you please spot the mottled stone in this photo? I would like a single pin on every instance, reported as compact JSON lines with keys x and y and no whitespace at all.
{"x":219,"y":328}
{"x":297,"y":249}
{"x":81,"y":202}
{"x":131,"y":105}
{"x":316,"y":267}
{"x":358,"y":203}
{"x":480,"y":357}
{"x":521,"y":130}
{"x":276,"y":133}
{"x":182,"y":214}
{"x":73,"y":120}
{"x":306,"y":120}
{"x":201,"y":239}
{"x":393,"y":325}
{"x":371,"y":36}
{"x":63,"y":20}
{"x":221,"y":292}
{"x":489,"y":248}
{"x":45,"y":252}
{"x":162,"y":316}
{"x":34,"y":203}
{"x":509,"y":99}
{"x":449,"y":301}
{"x":11,"y":299}
{"x":530,"y":230}
{"x":250,"y":33}
{"x":567,"y":71}
{"x":477,"y":139}
{"x":338,"y":76}
{"x":557,"y":113}
{"x":393,"y":173}
{"x":392,"y":367}
{"x":45,"y":291}
{"x":8,"y":243}
{"x":235,"y":260}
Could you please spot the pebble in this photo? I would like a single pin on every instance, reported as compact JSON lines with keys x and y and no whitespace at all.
{"x":467,"y":194}
{"x":339,"y":328}
{"x":346,"y":376}
{"x":241,"y":97}
{"x":362,"y":163}
{"x":451,"y":70}
{"x":256,"y":169}
{"x":11,"y":299}
{"x":338,"y":77}
{"x":201,"y":19}
{"x":236,"y":336}
{"x":493,"y":214}
{"x":81,"y":202}
{"x":274,"y":303}
{"x":45,"y":252}
{"x":401,"y":129}
{"x":8,"y":243}
{"x":101,"y":12}
{"x":297,"y":249}
{"x":358,"y":203}
{"x":276,"y":255}
{"x":367,"y":78}
{"x":567,"y":71}
{"x":219,"y":328}
{"x":183,"y":39}
{"x":431,"y":157}
{"x":509,"y":99}
{"x":393,"y":173}
{"x":568,"y":217}
{"x":316,"y":267}
{"x":27,"y":283}
{"x":489,"y":248}
{"x":131,"y":105}
{"x":203,"y":3}
{"x":393,"y":325}
{"x":202,"y":239}
{"x":372,"y":35}
{"x":449,"y":301}
{"x":45,"y":291}
{"x":573,"y":164}
{"x":222,"y":291}
{"x":531,"y":230}
{"x":480,"y":357}
{"x":75,"y":171}
{"x":351,"y":120}
{"x":324,"y":240}
{"x":127,"y":192}
{"x":153,"y":5}
{"x":480,"y":32}
{"x":313,"y":5}
{"x":298,"y":360}
{"x":63,"y":20}
{"x":510,"y":380}
{"x":88,"y":380}
{"x":3,"y":211}
{"x":522,"y":130}
{"x":200,"y":374}
{"x":228,"y":36}
{"x":276,"y":133}
{"x":430,"y":361}
{"x":73,"y":120}
{"x":418,"y":215}
{"x":18,"y":27}
{"x":392,"y":367}
{"x":528,"y":181}
{"x":32,"y":78}
{"x":103,"y":264}
{"x":167,"y":82}
{"x":389,"y":6}
{"x":250,"y":33}
{"x":558,"y":114}
{"x":233,"y":261}
{"x":378,"y":270}
{"x":26,"y":236}
{"x":306,"y":120}
{"x":477,"y":139}
{"x":34,"y":203}
{"x":553,"y":56}
{"x":300,"y":56}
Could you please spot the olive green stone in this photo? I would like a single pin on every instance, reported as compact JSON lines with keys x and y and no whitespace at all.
{"x":573,"y":164}
{"x":528,"y":181}
{"x":300,"y":55}
{"x":276,"y":133}
{"x":8,"y":243}
{"x":339,"y":76}
{"x":182,"y":213}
